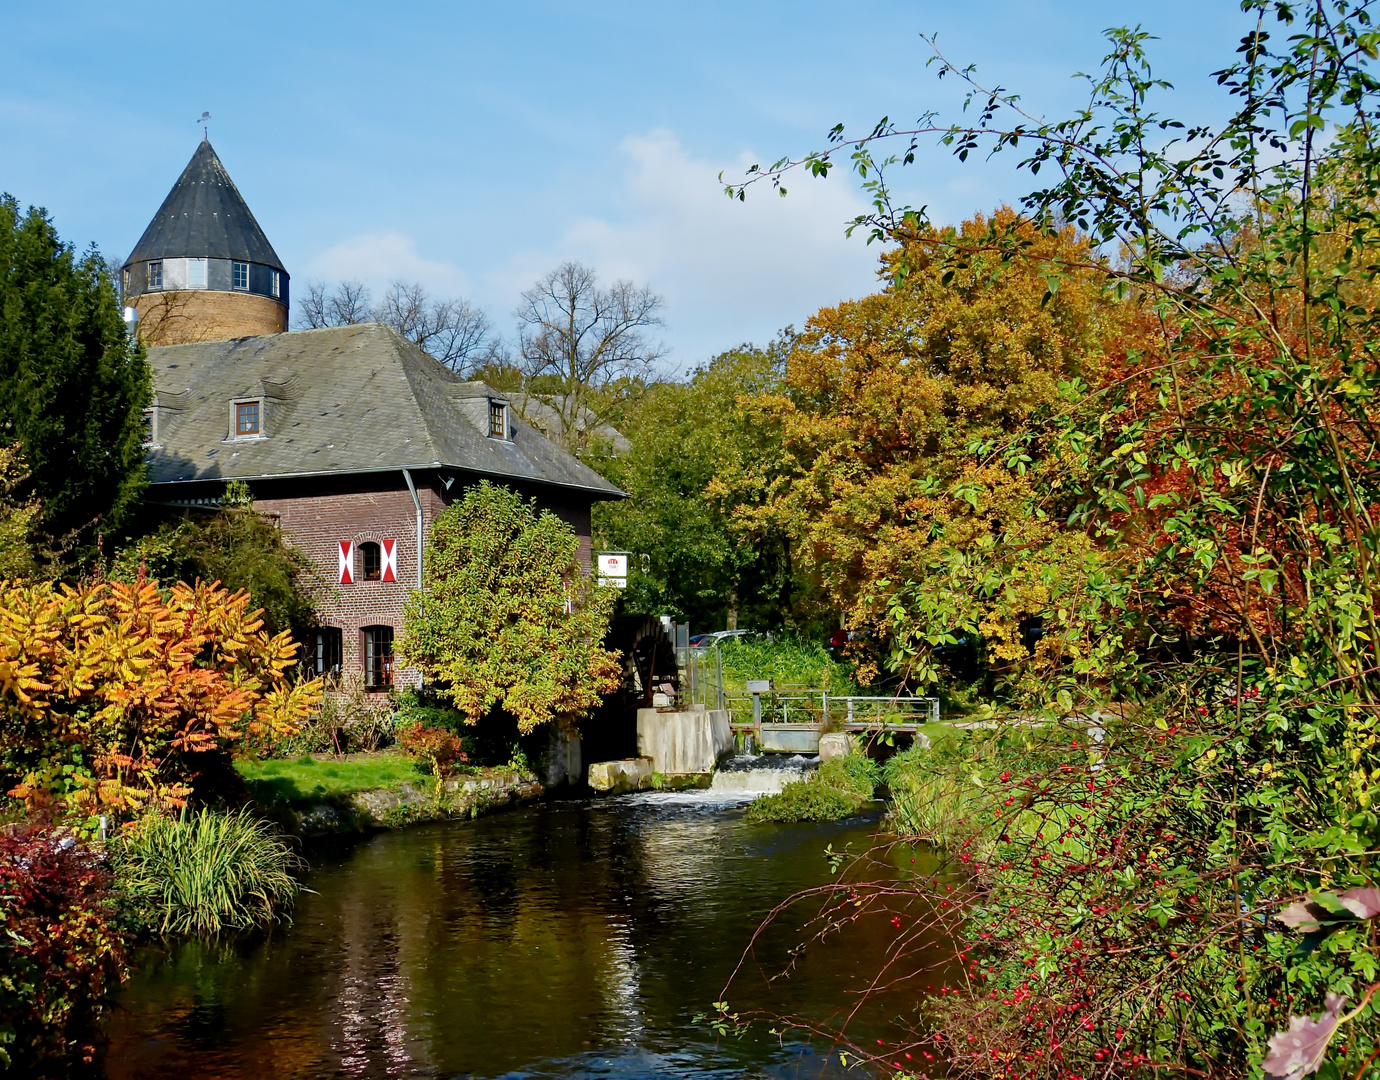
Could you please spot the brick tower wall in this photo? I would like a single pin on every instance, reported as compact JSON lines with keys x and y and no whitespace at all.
{"x":180,"y":316}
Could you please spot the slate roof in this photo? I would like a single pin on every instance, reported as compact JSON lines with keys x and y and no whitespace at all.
{"x":350,"y":399}
{"x":205,"y":217}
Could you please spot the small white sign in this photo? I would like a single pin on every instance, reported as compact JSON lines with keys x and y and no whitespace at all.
{"x":613,"y":564}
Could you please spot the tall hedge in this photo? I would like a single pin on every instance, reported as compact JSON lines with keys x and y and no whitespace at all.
{"x":73,"y":387}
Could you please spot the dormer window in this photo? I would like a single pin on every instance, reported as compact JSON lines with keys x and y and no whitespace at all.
{"x":150,"y":426}
{"x":498,"y":419}
{"x":239,"y":276}
{"x":196,"y":273}
{"x":155,"y":274}
{"x":246,"y":418}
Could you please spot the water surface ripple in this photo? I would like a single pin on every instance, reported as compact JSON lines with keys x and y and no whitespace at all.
{"x":559,"y":940}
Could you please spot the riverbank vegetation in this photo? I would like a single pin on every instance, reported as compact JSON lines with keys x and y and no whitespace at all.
{"x":1135,"y":501}
{"x":839,"y":788}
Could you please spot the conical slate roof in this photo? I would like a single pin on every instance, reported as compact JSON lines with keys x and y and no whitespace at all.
{"x":205,"y":217}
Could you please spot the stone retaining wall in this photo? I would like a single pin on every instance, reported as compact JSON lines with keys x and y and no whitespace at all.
{"x":407,"y":804}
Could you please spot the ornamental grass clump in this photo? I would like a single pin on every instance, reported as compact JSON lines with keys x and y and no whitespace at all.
{"x":205,"y":872}
{"x":839,"y":788}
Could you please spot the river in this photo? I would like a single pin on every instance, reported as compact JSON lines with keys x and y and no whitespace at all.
{"x":563,"y":939}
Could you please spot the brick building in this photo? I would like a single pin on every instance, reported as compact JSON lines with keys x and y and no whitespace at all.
{"x":353,"y":437}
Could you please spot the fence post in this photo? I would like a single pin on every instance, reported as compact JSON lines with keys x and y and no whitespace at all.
{"x":719,"y":657}
{"x":850,"y":710}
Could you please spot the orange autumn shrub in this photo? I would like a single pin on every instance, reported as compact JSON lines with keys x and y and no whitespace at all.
{"x":110,"y":692}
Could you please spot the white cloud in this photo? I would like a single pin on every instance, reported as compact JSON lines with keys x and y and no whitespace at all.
{"x":378,"y":259}
{"x":730,"y":271}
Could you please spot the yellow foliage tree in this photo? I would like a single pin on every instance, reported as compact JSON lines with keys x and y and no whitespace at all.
{"x":108,"y":692}
{"x":918,"y":474}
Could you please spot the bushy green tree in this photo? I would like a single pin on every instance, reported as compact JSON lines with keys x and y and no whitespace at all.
{"x":236,"y":546}
{"x":509,"y":617}
{"x":697,"y":452}
{"x":73,"y":386}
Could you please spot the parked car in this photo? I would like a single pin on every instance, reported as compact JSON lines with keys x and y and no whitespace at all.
{"x":708,"y":641}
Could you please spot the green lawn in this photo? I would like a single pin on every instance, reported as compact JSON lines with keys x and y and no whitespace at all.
{"x":308,"y":778}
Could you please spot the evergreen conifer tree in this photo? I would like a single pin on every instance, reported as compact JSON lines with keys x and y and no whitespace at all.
{"x":73,"y":386}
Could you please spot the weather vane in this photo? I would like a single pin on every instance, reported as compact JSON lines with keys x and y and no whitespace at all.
{"x":203,"y":121}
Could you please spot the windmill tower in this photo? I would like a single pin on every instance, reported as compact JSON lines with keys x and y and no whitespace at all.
{"x":204,"y":270}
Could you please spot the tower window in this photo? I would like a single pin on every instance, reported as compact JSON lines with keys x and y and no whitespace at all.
{"x":124,"y":282}
{"x":274,"y":283}
{"x":155,"y":274}
{"x":246,"y":418}
{"x":370,"y":561}
{"x":196,"y":273}
{"x":239,"y":275}
{"x":378,"y":657}
{"x":498,"y":420}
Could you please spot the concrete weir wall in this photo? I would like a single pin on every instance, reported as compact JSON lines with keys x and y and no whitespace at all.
{"x":685,"y":741}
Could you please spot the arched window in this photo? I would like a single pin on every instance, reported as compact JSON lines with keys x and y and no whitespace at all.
{"x":370,"y":561}
{"x":378,"y":657}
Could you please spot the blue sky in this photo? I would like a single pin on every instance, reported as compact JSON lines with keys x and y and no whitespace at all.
{"x":475,"y":146}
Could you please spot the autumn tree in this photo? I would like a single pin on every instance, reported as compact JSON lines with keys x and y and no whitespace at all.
{"x":1173,"y":872}
{"x":508,"y":617}
{"x":584,"y":351}
{"x":917,"y":442}
{"x":73,"y":386}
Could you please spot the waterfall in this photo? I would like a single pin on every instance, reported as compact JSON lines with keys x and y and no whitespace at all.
{"x":757,"y":774}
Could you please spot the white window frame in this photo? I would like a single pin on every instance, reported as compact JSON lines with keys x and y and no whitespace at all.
{"x":276,"y":285}
{"x":155,"y":266}
{"x":200,"y":264}
{"x":235,"y":264}
{"x":235,"y":435}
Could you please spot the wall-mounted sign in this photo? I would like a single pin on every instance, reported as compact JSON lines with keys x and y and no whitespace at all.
{"x":612,"y":568}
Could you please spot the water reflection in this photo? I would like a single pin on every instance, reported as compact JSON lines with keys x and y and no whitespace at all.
{"x":558,"y":940}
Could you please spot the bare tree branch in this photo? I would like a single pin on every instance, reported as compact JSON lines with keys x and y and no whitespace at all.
{"x":584,"y":350}
{"x":455,"y":332}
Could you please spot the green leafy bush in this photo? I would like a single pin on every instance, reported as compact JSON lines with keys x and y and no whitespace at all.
{"x":237,"y":546}
{"x":838,"y":788}
{"x":935,"y":789}
{"x":790,"y":665}
{"x":205,"y":872}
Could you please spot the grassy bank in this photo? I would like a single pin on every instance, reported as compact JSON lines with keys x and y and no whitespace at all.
{"x":311,"y":777}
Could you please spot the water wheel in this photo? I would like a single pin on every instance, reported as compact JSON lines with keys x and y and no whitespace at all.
{"x":649,"y":664}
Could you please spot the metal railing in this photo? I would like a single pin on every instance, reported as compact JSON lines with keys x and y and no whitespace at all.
{"x":702,"y":683}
